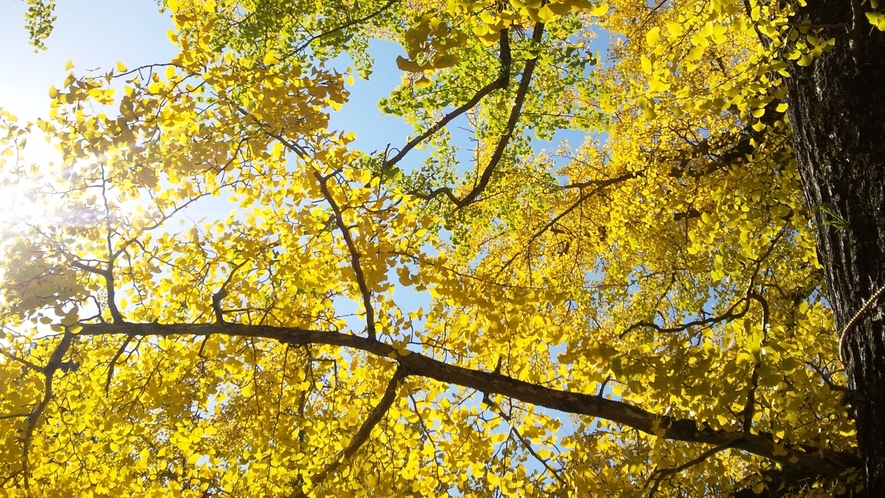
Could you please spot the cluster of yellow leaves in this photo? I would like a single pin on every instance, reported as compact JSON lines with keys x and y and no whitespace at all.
{"x":667,"y":262}
{"x":690,"y":212}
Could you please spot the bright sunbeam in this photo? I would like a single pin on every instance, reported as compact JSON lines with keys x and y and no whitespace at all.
{"x":26,"y":164}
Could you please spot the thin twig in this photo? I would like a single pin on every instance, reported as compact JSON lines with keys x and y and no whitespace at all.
{"x":498,"y":83}
{"x":354,"y":255}
{"x":525,"y":442}
{"x":342,"y":27}
{"x":600,"y":185}
{"x":658,"y":475}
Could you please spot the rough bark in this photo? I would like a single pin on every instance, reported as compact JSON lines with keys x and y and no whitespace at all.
{"x":837,"y":113}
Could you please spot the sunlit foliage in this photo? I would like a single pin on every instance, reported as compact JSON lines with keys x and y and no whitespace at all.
{"x":637,"y":311}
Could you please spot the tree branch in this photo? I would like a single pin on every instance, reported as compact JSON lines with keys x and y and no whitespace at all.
{"x":501,"y":82}
{"x":55,"y":362}
{"x":354,"y":255}
{"x":599,"y":184}
{"x":526,"y":443}
{"x":362,"y":434}
{"x":109,"y":274}
{"x":660,"y":474}
{"x":750,"y":405}
{"x":811,"y":462}
{"x":222,"y":293}
{"x":728,"y":315}
{"x":113,"y":363}
{"x":342,"y":27}
{"x":26,"y":363}
{"x":515,"y":112}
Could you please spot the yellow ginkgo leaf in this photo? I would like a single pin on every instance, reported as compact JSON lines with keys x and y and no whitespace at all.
{"x":599,"y":10}
{"x":423,"y":82}
{"x":270,"y":58}
{"x":407,"y":65}
{"x":653,"y":36}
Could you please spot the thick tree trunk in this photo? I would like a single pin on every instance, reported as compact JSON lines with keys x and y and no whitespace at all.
{"x":837,"y":112}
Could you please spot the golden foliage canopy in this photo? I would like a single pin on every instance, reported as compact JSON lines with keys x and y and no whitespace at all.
{"x":637,"y":313}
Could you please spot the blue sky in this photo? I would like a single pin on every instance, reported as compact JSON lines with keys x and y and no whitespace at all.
{"x":98,"y":33}
{"x":92,"y":33}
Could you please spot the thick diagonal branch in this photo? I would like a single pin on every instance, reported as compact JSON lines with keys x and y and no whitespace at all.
{"x":498,"y":153}
{"x":814,"y":461}
{"x":515,"y":113}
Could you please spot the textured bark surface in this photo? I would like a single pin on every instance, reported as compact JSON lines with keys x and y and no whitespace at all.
{"x":837,"y":112}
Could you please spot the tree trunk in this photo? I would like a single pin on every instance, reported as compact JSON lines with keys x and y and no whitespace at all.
{"x":837,"y":113}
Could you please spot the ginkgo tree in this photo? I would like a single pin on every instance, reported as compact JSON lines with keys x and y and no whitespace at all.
{"x":647,"y":312}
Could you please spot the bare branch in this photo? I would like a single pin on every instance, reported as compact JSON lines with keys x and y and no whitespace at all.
{"x":90,"y":269}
